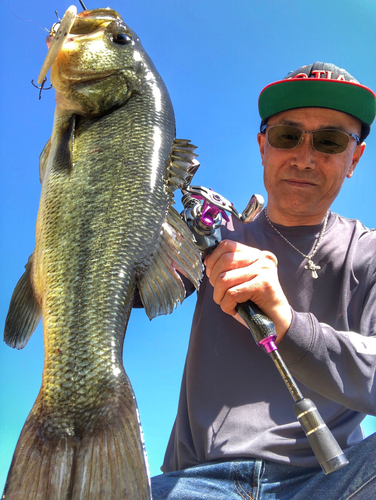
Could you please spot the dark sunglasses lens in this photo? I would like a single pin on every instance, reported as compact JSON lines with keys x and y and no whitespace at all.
{"x":284,"y":137}
{"x":330,"y":141}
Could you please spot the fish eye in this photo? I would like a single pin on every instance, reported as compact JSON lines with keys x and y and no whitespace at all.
{"x":121,"y":38}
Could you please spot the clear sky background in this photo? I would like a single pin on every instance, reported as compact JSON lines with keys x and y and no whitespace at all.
{"x":215,"y":57}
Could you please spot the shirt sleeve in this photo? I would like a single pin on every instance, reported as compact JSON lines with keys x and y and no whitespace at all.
{"x":339,"y":365}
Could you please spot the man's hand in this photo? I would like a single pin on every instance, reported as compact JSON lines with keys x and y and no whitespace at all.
{"x":239,"y":273}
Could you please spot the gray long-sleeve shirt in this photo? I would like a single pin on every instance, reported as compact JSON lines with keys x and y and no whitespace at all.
{"x":233,"y":402}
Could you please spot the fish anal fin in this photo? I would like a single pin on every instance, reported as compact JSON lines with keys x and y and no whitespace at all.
{"x":161,"y":287}
{"x":104,"y":462}
{"x":24,"y":311}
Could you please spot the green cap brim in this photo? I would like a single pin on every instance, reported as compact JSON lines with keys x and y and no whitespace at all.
{"x":351,"y":98}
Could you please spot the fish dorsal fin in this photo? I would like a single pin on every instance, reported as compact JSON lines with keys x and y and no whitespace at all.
{"x":161,"y":287}
{"x":43,"y":160}
{"x":24,"y":311}
{"x":182,"y":164}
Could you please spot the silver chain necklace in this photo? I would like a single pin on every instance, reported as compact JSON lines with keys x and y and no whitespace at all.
{"x":311,"y":266}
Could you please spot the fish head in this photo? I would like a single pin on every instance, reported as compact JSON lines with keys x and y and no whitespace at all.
{"x":100,"y":65}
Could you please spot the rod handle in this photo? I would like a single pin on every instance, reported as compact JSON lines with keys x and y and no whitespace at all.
{"x":260,"y":325}
{"x":324,"y":445}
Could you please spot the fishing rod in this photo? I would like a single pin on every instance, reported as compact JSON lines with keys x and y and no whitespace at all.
{"x":203,"y":212}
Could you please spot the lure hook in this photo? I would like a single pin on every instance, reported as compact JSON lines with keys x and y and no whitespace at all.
{"x":41,"y":87}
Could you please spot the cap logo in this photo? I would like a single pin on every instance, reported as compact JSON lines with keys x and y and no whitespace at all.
{"x":321,"y":74}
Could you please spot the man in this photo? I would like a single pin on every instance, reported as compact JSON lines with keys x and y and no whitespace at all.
{"x":313,"y":273}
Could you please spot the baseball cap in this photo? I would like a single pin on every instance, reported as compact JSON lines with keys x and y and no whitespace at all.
{"x":320,"y":85}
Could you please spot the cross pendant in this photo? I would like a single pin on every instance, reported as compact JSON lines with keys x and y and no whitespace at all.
{"x":312,"y":267}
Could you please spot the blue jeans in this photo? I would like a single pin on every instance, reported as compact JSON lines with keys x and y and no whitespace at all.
{"x":265,"y":480}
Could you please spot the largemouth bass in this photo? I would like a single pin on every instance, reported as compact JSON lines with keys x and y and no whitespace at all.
{"x":105,"y":226}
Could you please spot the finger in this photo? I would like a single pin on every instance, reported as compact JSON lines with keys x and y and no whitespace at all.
{"x":232,"y":298}
{"x":231,"y":279}
{"x":231,"y":271}
{"x":225,"y":246}
{"x":239,"y":294}
{"x":257,"y":282}
{"x":230,"y":255}
{"x":271,"y":256}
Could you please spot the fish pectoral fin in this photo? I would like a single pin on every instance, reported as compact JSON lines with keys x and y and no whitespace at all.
{"x":182,"y":165}
{"x":43,"y":160}
{"x":64,"y":151}
{"x":161,"y":287}
{"x":24,"y":311}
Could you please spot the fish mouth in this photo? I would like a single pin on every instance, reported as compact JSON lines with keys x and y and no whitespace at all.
{"x":87,"y":78}
{"x":88,"y":26}
{"x":88,"y":21}
{"x":80,"y":77}
{"x":75,"y":25}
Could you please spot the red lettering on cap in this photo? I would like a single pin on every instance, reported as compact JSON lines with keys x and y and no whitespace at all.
{"x":301,"y":75}
{"x":341,"y":78}
{"x":329,"y":75}
{"x":318,"y":72}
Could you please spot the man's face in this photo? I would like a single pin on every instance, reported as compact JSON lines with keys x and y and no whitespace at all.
{"x":301,"y":182}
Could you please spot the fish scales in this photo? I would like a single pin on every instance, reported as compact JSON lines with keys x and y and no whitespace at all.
{"x":105,"y":225}
{"x":96,"y":222}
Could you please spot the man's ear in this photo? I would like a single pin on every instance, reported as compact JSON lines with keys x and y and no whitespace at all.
{"x":261,"y":142}
{"x":359,"y":150}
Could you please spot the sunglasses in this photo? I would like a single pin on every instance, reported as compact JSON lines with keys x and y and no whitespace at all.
{"x":329,"y":141}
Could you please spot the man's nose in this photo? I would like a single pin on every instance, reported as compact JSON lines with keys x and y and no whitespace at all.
{"x":304,"y":154}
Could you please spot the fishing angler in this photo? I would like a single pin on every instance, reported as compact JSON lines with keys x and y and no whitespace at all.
{"x":310,"y":274}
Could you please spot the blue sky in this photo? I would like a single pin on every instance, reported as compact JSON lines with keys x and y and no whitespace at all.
{"x":215,"y":57}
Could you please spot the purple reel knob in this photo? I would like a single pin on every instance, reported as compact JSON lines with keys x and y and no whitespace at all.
{"x":209,"y":211}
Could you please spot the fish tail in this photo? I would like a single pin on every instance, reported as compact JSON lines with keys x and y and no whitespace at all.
{"x":41,"y":467}
{"x":107,"y":462}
